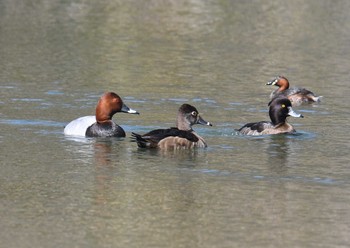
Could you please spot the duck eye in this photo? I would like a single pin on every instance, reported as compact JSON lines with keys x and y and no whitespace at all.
{"x":283,"y":106}
{"x":194,"y":113}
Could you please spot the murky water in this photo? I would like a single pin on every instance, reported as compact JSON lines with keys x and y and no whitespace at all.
{"x":58,"y":57}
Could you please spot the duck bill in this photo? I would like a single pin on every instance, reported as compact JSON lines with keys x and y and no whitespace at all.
{"x":272,"y":82}
{"x":126,"y":109}
{"x":292,"y":113}
{"x":203,"y":122}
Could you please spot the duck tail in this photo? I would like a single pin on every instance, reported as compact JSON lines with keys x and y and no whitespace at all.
{"x":141,"y":142}
{"x":317,"y":98}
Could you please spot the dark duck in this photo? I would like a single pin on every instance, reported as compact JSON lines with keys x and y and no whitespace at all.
{"x":180,"y":137}
{"x":279,"y":110}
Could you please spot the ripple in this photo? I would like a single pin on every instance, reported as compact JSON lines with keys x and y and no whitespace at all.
{"x":28,"y":99}
{"x":22,"y":122}
{"x":7,"y":87}
{"x":176,"y":99}
{"x":54,"y":92}
{"x":249,"y":176}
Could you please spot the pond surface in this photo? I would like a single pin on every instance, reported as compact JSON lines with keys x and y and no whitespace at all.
{"x":57,"y":59}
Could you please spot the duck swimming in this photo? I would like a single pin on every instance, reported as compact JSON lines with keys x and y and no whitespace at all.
{"x":296,"y":95}
{"x":180,"y":137}
{"x":101,"y":125}
{"x":279,"y":110}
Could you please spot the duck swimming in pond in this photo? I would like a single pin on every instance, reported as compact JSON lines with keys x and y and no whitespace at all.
{"x":279,"y":110}
{"x":101,"y":125}
{"x":180,"y":137}
{"x":296,"y":95}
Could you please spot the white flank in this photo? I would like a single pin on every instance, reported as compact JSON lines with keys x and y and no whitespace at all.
{"x":78,"y":126}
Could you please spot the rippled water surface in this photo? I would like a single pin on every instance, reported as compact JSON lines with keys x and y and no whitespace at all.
{"x":58,"y":57}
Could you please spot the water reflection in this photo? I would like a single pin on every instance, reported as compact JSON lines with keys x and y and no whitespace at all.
{"x":103,"y":151}
{"x":182,"y":157}
{"x":284,"y":151}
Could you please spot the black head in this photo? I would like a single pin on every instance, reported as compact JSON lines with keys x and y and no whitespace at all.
{"x":280,"y":109}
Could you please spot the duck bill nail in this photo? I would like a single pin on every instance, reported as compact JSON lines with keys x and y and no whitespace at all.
{"x":203,"y":122}
{"x":126,"y":109}
{"x":292,"y":113}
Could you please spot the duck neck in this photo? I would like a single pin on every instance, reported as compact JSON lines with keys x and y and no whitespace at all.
{"x":276,"y":118}
{"x":103,"y":116}
{"x":182,"y":123}
{"x":283,"y":84}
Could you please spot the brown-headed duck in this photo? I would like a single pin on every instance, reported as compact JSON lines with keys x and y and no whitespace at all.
{"x":296,"y":95}
{"x":180,"y":137}
{"x":280,"y":109}
{"x":101,"y":125}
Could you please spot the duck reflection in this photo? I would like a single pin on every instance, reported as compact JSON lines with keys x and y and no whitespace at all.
{"x":179,"y":157}
{"x":102,"y":150}
{"x":278,"y":151}
{"x":106,"y":152}
{"x":282,"y":151}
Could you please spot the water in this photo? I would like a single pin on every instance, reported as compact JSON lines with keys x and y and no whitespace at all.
{"x":58,"y":57}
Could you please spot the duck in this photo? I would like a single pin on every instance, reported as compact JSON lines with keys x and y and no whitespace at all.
{"x":180,"y":137}
{"x":296,"y":95}
{"x":101,"y":124}
{"x":279,"y":109}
